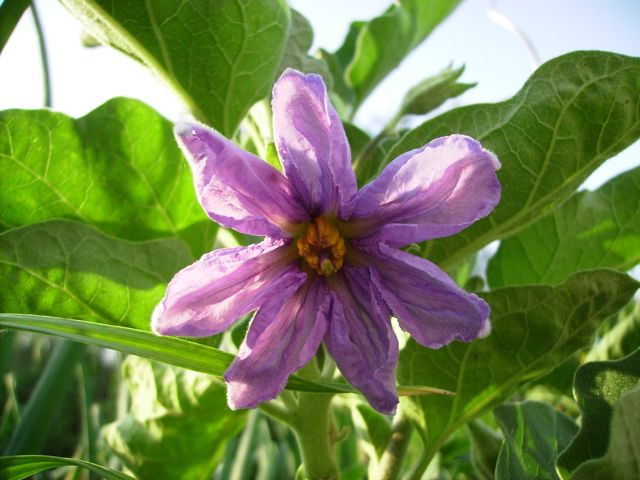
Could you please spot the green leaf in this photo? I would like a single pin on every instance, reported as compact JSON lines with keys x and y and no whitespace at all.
{"x":219,"y":56}
{"x":117,"y":168}
{"x":373,"y":49}
{"x":296,"y":51}
{"x":341,"y":94}
{"x":170,"y":350}
{"x":590,"y":230}
{"x":572,"y":114}
{"x":485,"y":448}
{"x":377,"y":429}
{"x":177,"y":425}
{"x":433,"y":91}
{"x":23,"y":466}
{"x":369,"y":154}
{"x":621,"y":339}
{"x":358,"y":139}
{"x":534,"y":433}
{"x":533,"y":330}
{"x":622,"y":459}
{"x":598,"y":386}
{"x":10,"y":14}
{"x":61,"y":267}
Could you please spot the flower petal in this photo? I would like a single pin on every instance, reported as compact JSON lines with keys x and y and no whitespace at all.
{"x":312,"y":145}
{"x":430,"y":192}
{"x":284,"y":335}
{"x":426,"y":302}
{"x":209,"y":295}
{"x":236,"y":188}
{"x":361,"y":340}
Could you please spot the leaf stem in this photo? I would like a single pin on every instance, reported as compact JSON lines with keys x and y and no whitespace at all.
{"x":367,"y":152}
{"x":420,"y":468}
{"x":278,"y":411}
{"x":44,"y":58}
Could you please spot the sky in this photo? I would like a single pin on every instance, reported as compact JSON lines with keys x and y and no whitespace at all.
{"x":494,"y":57}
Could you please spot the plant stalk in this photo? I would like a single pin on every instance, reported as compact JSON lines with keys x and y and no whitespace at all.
{"x":314,"y":430}
{"x":44,"y":58}
{"x":393,"y":456}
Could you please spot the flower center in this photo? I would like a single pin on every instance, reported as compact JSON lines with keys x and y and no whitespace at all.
{"x":322,"y":247}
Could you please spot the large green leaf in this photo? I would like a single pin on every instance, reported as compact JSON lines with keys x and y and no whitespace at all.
{"x":118,"y":168}
{"x":373,"y":49}
{"x":534,"y":329}
{"x":590,"y":230}
{"x":598,"y":386}
{"x":622,"y":459}
{"x":177,"y":425}
{"x":296,"y":53}
{"x":66,"y":268}
{"x":10,"y":14}
{"x":23,"y":466}
{"x":572,"y":114}
{"x":535,"y":433}
{"x":220,"y":56}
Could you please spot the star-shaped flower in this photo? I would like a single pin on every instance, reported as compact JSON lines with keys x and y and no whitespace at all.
{"x":330,"y":269}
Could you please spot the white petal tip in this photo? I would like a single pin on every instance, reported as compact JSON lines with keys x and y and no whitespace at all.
{"x":155,"y":319}
{"x":485,"y":330}
{"x":494,"y":160}
{"x":185,"y":129}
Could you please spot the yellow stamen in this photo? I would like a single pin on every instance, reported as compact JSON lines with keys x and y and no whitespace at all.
{"x":322,"y":247}
{"x":303,"y":246}
{"x":312,"y":259}
{"x":312,"y":233}
{"x":339,"y":248}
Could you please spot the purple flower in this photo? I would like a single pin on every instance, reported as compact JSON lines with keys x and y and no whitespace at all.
{"x":330,"y":268}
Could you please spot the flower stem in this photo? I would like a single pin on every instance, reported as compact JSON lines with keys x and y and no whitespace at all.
{"x":367,"y":152}
{"x":46,"y":76}
{"x":314,"y":430}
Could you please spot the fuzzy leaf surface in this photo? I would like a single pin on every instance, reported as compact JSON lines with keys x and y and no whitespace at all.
{"x":117,"y":168}
{"x":67,"y":268}
{"x":534,"y":329}
{"x":219,"y":56}
{"x":599,"y":229}
{"x":572,"y":114}
{"x":598,"y":387}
